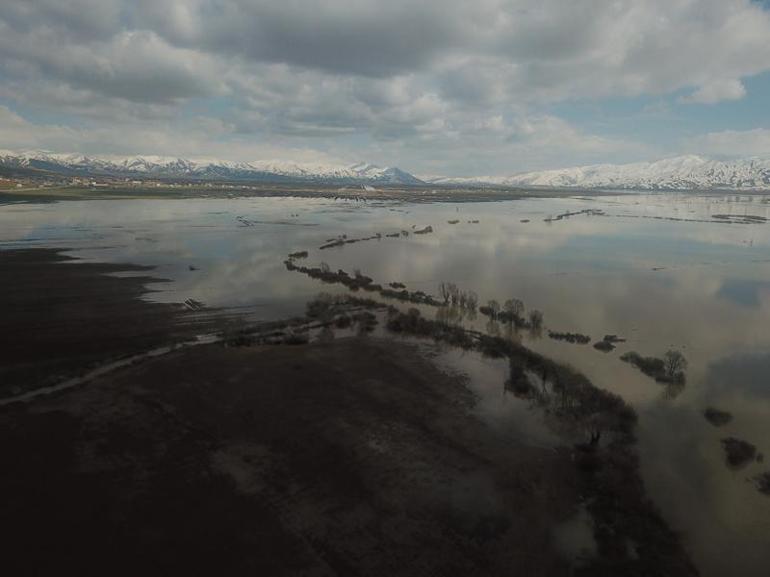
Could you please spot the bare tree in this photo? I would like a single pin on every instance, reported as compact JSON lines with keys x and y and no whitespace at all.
{"x":494,"y":308}
{"x":454,"y":292}
{"x":536,"y":318}
{"x":514,"y":307}
{"x":472,"y":300}
{"x":674,"y":365}
{"x":443,"y":291}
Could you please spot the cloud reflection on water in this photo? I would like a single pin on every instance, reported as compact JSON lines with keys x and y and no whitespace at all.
{"x":695,"y":286}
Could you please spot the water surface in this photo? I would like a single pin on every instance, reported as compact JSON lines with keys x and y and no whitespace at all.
{"x":664,"y":271}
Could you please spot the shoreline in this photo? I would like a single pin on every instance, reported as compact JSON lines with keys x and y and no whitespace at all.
{"x":62,"y":318}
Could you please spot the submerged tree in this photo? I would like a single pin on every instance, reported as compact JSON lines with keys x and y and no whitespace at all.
{"x":471,"y":300}
{"x":674,"y":365}
{"x":536,"y":319}
{"x":514,"y":308}
{"x":444,"y":293}
{"x":454,"y":293}
{"x":494,"y":308}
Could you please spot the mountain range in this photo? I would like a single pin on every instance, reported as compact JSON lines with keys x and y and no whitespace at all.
{"x":180,"y":168}
{"x":677,"y":173}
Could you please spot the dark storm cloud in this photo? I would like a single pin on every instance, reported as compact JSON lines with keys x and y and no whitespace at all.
{"x":340,"y":37}
{"x":77,"y":20}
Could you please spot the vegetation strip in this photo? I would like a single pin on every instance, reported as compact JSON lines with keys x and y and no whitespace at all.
{"x":607,"y":461}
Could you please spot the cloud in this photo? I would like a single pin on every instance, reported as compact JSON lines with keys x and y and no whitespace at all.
{"x":403,"y":79}
{"x":201,"y":138}
{"x":716,"y":91}
{"x":132,"y":65}
{"x":733,"y":143}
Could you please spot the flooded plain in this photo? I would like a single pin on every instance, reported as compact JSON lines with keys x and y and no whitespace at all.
{"x":663,"y":271}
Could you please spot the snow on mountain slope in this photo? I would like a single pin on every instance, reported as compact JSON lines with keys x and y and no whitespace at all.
{"x":169,"y":167}
{"x":678,"y":173}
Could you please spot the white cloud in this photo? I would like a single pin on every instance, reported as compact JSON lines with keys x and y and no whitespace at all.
{"x":202,"y":137}
{"x":733,"y":143}
{"x":716,"y":91}
{"x":443,"y":85}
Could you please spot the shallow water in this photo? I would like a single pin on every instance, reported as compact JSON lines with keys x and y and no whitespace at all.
{"x":695,"y":284}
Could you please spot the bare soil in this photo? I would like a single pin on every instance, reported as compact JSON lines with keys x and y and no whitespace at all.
{"x":354,"y":457}
{"x":61,"y":317}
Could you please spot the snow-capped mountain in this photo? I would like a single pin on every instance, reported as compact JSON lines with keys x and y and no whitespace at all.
{"x":678,"y":173}
{"x":168,"y":167}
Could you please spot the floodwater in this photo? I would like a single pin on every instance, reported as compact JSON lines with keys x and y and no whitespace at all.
{"x":663,"y":271}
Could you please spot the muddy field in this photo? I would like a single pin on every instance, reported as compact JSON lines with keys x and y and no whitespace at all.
{"x":415,"y":194}
{"x":61,"y":317}
{"x":352,"y":457}
{"x":355,"y":456}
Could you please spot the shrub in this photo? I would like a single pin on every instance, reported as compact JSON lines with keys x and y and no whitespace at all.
{"x":716,"y":417}
{"x":738,"y":453}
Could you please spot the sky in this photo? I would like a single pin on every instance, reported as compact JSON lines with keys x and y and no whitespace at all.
{"x":436,"y":87}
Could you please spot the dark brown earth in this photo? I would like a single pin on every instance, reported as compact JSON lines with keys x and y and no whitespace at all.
{"x":354,"y":457}
{"x":61,"y":317}
{"x":411,"y":194}
{"x":351,"y":457}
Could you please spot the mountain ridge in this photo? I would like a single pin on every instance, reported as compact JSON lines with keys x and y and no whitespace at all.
{"x":172,"y":167}
{"x":687,"y":172}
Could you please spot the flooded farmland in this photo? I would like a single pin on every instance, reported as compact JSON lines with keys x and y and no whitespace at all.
{"x":663,"y":272}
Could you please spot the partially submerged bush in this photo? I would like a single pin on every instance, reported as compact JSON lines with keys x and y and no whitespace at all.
{"x":650,"y":366}
{"x":613,"y":339}
{"x":296,"y":338}
{"x":763,"y":482}
{"x":536,"y":319}
{"x":366,"y":321}
{"x":570,"y":337}
{"x":738,"y":452}
{"x":716,"y":417}
{"x":321,"y":306}
{"x":238,"y":338}
{"x":669,"y":369}
{"x":343,"y":322}
{"x":604,"y":346}
{"x":360,"y":281}
{"x":572,"y":394}
{"x":518,"y":382}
